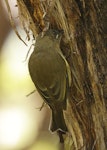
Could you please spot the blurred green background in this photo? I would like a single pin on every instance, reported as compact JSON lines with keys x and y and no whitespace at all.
{"x":22,"y":125}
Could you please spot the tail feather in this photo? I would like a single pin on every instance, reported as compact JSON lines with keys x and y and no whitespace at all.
{"x":58,"y":122}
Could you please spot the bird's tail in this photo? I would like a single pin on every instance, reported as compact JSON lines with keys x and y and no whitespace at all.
{"x":58,"y":122}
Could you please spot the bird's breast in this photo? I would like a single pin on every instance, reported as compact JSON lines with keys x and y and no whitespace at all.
{"x":45,"y":68}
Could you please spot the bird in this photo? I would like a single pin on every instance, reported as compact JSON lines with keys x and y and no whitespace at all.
{"x":51,"y":75}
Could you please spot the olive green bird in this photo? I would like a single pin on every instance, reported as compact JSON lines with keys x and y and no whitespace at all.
{"x":51,"y":75}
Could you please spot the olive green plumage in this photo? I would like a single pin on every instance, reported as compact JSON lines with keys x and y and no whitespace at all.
{"x":50,"y":73}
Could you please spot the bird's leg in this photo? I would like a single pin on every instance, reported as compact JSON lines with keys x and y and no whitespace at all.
{"x":40,"y":108}
{"x":30,"y":93}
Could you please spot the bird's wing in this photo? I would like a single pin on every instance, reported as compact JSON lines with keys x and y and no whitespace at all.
{"x":56,"y":93}
{"x":67,"y":67}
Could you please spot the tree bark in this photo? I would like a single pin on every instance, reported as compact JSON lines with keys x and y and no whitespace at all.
{"x":84,"y":45}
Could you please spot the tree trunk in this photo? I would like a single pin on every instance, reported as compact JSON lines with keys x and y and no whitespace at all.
{"x":84,"y":45}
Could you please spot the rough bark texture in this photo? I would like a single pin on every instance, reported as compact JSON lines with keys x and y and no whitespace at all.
{"x":84,"y":45}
